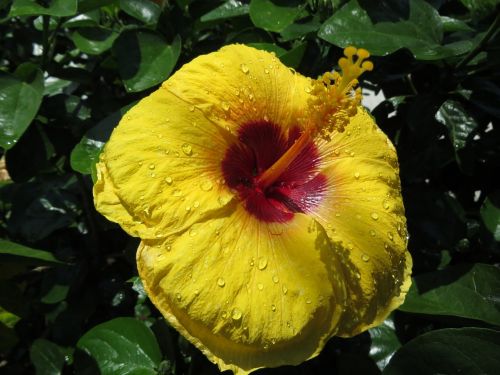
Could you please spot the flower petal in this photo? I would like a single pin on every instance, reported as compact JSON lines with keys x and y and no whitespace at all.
{"x":239,"y":84}
{"x":363,"y":215}
{"x":247,"y":293}
{"x":160,"y":171}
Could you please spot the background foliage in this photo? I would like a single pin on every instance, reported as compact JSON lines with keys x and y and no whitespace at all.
{"x":70,"y":301}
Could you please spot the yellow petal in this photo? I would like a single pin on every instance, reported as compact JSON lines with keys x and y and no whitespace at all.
{"x":363,"y":215}
{"x":248,"y":294}
{"x":239,"y":84}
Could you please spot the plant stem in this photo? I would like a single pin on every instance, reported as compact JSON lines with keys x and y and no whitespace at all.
{"x":484,"y":40}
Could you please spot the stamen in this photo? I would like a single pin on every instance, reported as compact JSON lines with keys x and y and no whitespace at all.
{"x":335,"y":99}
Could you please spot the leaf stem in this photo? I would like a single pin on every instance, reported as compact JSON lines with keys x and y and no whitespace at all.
{"x":484,"y":40}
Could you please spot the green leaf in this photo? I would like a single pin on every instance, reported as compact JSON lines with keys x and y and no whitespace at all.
{"x":463,"y":291}
{"x":384,"y":342}
{"x":59,"y":8}
{"x":490,"y":213}
{"x":143,"y":10}
{"x":94,"y":40}
{"x":20,"y":95}
{"x":86,"y":152}
{"x":269,"y":47}
{"x":422,"y":33}
{"x":230,"y":9}
{"x":88,"y":5}
{"x":452,"y":24}
{"x":11,"y":250}
{"x":145,"y":59}
{"x":274,"y":15}
{"x":460,"y":124}
{"x":89,"y":19}
{"x":465,"y":351}
{"x":293,"y":57}
{"x":297,"y":30}
{"x":481,"y":8}
{"x":47,"y":357}
{"x":122,"y":345}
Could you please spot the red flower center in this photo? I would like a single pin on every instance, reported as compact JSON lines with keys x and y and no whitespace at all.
{"x":299,"y":188}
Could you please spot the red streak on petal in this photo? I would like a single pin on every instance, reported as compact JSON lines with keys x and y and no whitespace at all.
{"x":300,"y":188}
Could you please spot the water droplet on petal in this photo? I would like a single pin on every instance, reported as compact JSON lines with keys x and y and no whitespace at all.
{"x":372,"y":233}
{"x":224,"y":315}
{"x":169,"y":180}
{"x":357,"y":275}
{"x":236,"y":315}
{"x":356,"y":175}
{"x":192,"y":108}
{"x":260,"y":286}
{"x":284,"y":289}
{"x":152,"y":166}
{"x":192,"y":232}
{"x":390,"y":235}
{"x":308,"y":301}
{"x":178,"y":297}
{"x":273,"y":307}
{"x":187,"y":149}
{"x":374,"y":216}
{"x":177,"y":193}
{"x":221,"y":282}
{"x":365,"y":258}
{"x":266,"y":71}
{"x":307,"y":89}
{"x":276,"y":279}
{"x":244,"y":68}
{"x":206,"y":185}
{"x":262,"y":263}
{"x":225,"y":106}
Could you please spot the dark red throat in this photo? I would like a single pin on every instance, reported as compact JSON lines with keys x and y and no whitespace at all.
{"x":300,"y":188}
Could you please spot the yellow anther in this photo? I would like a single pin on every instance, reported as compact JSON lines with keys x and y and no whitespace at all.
{"x":335,"y":98}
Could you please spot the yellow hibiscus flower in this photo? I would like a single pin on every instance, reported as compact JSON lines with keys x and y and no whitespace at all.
{"x":268,"y":205}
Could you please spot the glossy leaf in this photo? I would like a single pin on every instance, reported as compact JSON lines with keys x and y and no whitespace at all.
{"x":273,"y":15}
{"x":122,"y":345}
{"x":230,"y":9}
{"x":86,"y":152}
{"x":460,"y":124}
{"x":464,"y":291}
{"x":58,"y":8}
{"x":384,"y":342}
{"x":490,"y":213}
{"x":20,"y":95}
{"x":144,"y":10}
{"x":145,"y":59}
{"x":47,"y":357}
{"x":422,"y":33}
{"x":11,"y":250}
{"x":465,"y":351}
{"x":293,"y":57}
{"x":94,"y":40}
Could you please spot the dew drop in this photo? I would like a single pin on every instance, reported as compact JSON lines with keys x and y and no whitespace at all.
{"x":284,"y":289}
{"x":390,"y":235}
{"x":221,"y":282}
{"x":193,"y":232}
{"x":178,"y":297}
{"x":244,"y":68}
{"x":223,"y":315}
{"x":372,"y":233}
{"x":169,"y":180}
{"x":196,"y":204}
{"x":260,"y":286}
{"x":386,"y":205}
{"x":365,"y":258}
{"x":356,"y":175}
{"x":266,"y":71}
{"x":187,"y":149}
{"x":273,"y":307}
{"x":177,"y":193}
{"x":225,"y":106}
{"x":192,"y":108}
{"x":307,"y":89}
{"x":374,"y":216}
{"x":206,"y":185}
{"x":357,"y":275}
{"x":262,"y":263}
{"x":188,"y":208}
{"x":308,"y":301}
{"x":152,"y":166}
{"x":276,"y":279}
{"x":252,"y":262}
{"x":236,"y":315}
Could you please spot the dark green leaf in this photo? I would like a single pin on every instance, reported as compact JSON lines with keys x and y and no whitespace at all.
{"x":464,"y":291}
{"x":47,"y":357}
{"x":480,"y":8}
{"x":94,"y":40}
{"x":422,"y":33}
{"x":122,"y":345}
{"x":230,"y":9}
{"x":490,"y":213}
{"x":21,"y":95}
{"x":89,"y":19}
{"x":145,"y":59}
{"x":384,"y":342}
{"x":8,"y":338}
{"x":269,"y":47}
{"x":453,"y":24}
{"x":274,"y":15}
{"x":143,"y":10}
{"x":58,"y":8}
{"x":33,"y":256}
{"x":460,"y":124}
{"x":293,"y":57}
{"x":297,"y":30}
{"x":465,"y":351}
{"x":88,"y":5}
{"x":86,"y":153}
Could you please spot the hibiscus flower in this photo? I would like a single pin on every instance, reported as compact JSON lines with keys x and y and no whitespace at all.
{"x":268,"y":206}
